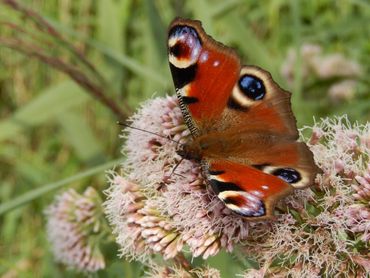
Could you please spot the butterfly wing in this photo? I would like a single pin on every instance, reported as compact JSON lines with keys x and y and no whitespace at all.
{"x":245,"y":189}
{"x":204,"y":72}
{"x":208,"y":79}
{"x":239,"y":117}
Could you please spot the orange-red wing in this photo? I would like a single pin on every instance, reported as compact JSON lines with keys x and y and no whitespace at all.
{"x":246,"y":190}
{"x":241,"y":121}
{"x":216,"y":93}
{"x":204,"y":71}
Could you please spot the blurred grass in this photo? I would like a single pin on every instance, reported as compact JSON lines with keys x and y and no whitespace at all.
{"x":51,"y":129}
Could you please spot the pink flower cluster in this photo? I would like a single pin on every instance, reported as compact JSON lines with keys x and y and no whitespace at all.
{"x":73,"y":221}
{"x":328,"y":229}
{"x":319,"y":66}
{"x":155,"y":210}
{"x":171,"y":209}
{"x":177,"y":272}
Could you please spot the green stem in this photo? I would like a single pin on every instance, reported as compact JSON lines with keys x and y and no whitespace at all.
{"x":297,"y":98}
{"x":40,"y":191}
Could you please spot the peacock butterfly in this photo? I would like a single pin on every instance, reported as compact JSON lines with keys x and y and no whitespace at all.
{"x":243,"y":130}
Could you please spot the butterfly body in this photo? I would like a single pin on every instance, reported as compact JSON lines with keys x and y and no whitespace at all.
{"x":243,"y":130}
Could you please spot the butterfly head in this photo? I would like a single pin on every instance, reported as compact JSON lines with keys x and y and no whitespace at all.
{"x":190,"y":152}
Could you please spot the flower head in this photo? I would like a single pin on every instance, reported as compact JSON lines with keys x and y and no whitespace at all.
{"x":74,"y":223}
{"x":156,"y":209}
{"x":177,"y":272}
{"x":328,"y":228}
{"x":362,"y":185}
{"x":315,"y":63}
{"x":335,"y":69}
{"x":343,"y":90}
{"x":175,"y":208}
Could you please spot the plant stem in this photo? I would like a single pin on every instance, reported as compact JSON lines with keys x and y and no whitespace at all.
{"x":40,"y":191}
{"x":78,"y":76}
{"x":182,"y":261}
{"x":44,"y":25}
{"x":97,"y":90}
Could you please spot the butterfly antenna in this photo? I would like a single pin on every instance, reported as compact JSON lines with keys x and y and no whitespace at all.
{"x":177,"y":165}
{"x":147,"y":131}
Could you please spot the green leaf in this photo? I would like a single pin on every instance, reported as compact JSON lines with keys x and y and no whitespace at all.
{"x":255,"y":49}
{"x":49,"y":103}
{"x":201,"y":10}
{"x":120,"y":58}
{"x":157,"y":30}
{"x":109,"y":24}
{"x":80,"y":135}
{"x":222,"y":261}
{"x":130,"y":63}
{"x":224,"y":7}
{"x":42,"y":190}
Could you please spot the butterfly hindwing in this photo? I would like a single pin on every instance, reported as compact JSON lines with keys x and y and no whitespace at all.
{"x":262,"y":148}
{"x":244,"y":189}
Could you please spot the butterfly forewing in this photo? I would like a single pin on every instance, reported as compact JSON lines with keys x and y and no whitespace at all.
{"x":203,"y":70}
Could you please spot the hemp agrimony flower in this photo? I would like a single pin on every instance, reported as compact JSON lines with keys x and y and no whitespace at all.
{"x":174,"y":208}
{"x":327,"y":232}
{"x":156,"y":210}
{"x":75,"y":227}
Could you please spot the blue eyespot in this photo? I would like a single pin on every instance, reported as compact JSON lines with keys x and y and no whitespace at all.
{"x":252,"y":87}
{"x":288,"y":175}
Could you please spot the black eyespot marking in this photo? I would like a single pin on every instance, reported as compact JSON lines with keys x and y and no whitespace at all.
{"x":252,"y":87}
{"x":232,"y":104}
{"x":183,"y":76}
{"x":184,"y":44}
{"x":216,"y":173}
{"x":181,"y":50}
{"x":176,"y":50}
{"x":234,"y":200}
{"x":288,"y":174}
{"x":219,"y":186}
{"x":189,"y":100}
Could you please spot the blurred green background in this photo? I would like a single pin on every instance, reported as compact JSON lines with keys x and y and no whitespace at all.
{"x":55,"y":134}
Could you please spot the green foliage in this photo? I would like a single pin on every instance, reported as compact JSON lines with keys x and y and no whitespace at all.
{"x":53,"y":131}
